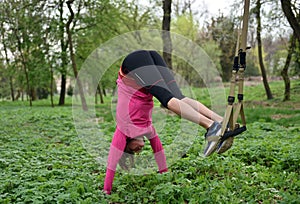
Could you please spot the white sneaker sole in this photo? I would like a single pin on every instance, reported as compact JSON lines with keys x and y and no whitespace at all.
{"x":212,"y":148}
{"x":225,"y":146}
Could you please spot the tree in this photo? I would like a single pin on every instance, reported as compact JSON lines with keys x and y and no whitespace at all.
{"x":296,"y":60}
{"x":284,"y":72}
{"x":291,"y":12}
{"x":22,"y":47}
{"x":23,"y":32}
{"x":63,"y":53}
{"x":166,"y":24}
{"x":7,"y":61}
{"x":185,"y":25}
{"x":257,"y":11}
{"x":70,"y":42}
{"x":222,"y":31}
{"x":99,"y":22}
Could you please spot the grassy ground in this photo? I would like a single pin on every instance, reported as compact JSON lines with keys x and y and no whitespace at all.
{"x":44,"y":161}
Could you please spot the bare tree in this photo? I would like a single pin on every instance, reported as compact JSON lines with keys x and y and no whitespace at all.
{"x":260,"y":55}
{"x":63,"y":54}
{"x":167,"y":43}
{"x":7,"y":61}
{"x":290,"y":11}
{"x":284,"y":72}
{"x":72,"y":55}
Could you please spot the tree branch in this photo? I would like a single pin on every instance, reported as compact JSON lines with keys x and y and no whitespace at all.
{"x":288,"y":12}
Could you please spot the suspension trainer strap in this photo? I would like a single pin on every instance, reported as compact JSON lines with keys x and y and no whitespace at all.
{"x":233,"y":109}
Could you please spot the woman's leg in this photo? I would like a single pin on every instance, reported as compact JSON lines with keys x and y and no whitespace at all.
{"x":149,"y":71}
{"x":188,"y":112}
{"x":166,"y":74}
{"x":140,"y":66}
{"x":171,"y":83}
{"x":203,"y":109}
{"x":185,"y":106}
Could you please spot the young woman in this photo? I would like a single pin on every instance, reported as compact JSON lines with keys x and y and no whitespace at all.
{"x":144,"y":74}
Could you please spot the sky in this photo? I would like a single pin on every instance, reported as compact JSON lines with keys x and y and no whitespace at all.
{"x":214,"y":6}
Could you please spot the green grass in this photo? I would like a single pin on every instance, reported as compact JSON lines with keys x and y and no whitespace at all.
{"x":44,"y":161}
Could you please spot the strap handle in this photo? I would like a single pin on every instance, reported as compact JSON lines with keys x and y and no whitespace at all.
{"x":239,"y":67}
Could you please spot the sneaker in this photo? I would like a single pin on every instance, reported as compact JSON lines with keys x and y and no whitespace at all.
{"x":225,"y":145}
{"x":213,"y":131}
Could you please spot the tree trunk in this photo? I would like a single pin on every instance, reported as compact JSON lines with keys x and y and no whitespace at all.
{"x":18,"y":95}
{"x":62,"y":89}
{"x":292,"y":19}
{"x":260,"y":57}
{"x":23,"y":61}
{"x":100,"y":93}
{"x":63,"y":56}
{"x":10,"y":77}
{"x":103,"y":91}
{"x":284,"y":72}
{"x":7,"y":62}
{"x":74,"y":66}
{"x":33,"y":94}
{"x":12,"y":92}
{"x":167,"y":43}
{"x":51,"y":86}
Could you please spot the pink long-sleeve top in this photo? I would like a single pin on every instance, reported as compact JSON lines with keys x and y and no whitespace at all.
{"x":134,"y":119}
{"x":134,"y":109}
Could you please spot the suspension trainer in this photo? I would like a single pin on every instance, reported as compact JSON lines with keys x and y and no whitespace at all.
{"x":230,"y":127}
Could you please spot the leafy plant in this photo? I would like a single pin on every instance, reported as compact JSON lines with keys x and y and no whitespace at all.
{"x":43,"y":161}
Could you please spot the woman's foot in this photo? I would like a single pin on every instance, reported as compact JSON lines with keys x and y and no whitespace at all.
{"x":225,"y":145}
{"x":213,"y":137}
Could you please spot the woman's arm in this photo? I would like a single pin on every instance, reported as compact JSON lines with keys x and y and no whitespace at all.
{"x":159,"y":154}
{"x":115,"y":153}
{"x":199,"y":107}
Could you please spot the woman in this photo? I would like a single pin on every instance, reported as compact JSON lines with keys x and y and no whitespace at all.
{"x":144,"y":74}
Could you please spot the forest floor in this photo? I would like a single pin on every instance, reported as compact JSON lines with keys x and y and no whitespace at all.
{"x":44,"y":160}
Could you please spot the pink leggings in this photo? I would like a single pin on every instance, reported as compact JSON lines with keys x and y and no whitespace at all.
{"x":116,"y":151}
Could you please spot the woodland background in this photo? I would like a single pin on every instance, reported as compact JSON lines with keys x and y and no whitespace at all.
{"x":43,"y":44}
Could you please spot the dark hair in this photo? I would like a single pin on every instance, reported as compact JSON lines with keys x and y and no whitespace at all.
{"x":127,"y":155}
